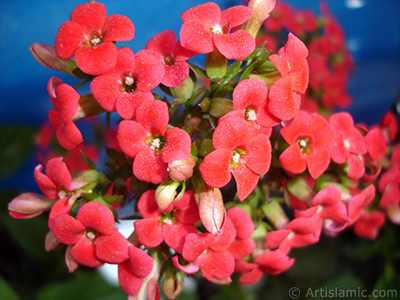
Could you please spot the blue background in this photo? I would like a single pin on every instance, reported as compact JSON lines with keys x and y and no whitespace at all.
{"x":372,"y":30}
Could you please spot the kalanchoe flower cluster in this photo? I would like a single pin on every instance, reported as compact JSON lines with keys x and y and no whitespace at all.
{"x":210,"y":167}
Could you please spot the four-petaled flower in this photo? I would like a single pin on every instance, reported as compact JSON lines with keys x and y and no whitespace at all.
{"x":90,"y":37}
{"x":205,"y":29}
{"x":92,"y":237}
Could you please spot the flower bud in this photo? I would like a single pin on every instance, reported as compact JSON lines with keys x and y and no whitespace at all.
{"x":220,"y":107}
{"x":29,"y":205}
{"x":262,"y":10}
{"x":51,"y":243}
{"x":216,"y":65}
{"x":211,"y":208}
{"x":184,"y":91}
{"x":165,"y":193}
{"x":173,"y":284}
{"x":180,"y":170}
{"x":88,"y":106}
{"x":46,"y":56}
{"x":275,"y":214}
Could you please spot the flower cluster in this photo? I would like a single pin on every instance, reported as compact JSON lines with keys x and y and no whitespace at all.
{"x":211,"y":167}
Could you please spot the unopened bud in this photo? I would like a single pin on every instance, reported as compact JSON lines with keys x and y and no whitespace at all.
{"x":180,"y":170}
{"x":216,"y":65}
{"x":51,"y":243}
{"x":275,"y":214}
{"x":262,"y":10}
{"x":173,"y":284}
{"x":29,"y":205}
{"x":46,"y":56}
{"x":211,"y":208}
{"x":299,"y":188}
{"x":166,"y":193}
{"x":184,"y":91}
{"x":220,"y":107}
{"x":88,"y":106}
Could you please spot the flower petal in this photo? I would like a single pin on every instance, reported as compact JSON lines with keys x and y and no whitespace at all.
{"x":97,"y":216}
{"x":111,"y":248}
{"x":67,"y":229}
{"x":149,"y":232}
{"x":150,"y":167}
{"x":237,"y":45}
{"x":177,"y":145}
{"x":132,"y":137}
{"x":118,"y":28}
{"x":215,"y":167}
{"x":97,"y":60}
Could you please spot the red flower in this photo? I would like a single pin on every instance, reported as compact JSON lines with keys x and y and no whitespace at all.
{"x":173,"y":56}
{"x":284,"y":95}
{"x":133,"y":270}
{"x":150,"y":142}
{"x":369,"y":224}
{"x":90,"y":37}
{"x":347,"y":144}
{"x":240,"y":151}
{"x":308,"y":136}
{"x":205,"y":29}
{"x":65,"y":100}
{"x":171,"y":225}
{"x":129,"y":83}
{"x":92,"y":235}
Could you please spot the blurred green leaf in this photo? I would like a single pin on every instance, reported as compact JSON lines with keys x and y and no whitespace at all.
{"x":84,"y":285}
{"x":6,"y":292}
{"x":15,"y":144}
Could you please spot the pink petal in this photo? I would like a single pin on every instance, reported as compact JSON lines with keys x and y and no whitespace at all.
{"x":209,"y":14}
{"x":67,"y":230}
{"x":149,"y":232}
{"x":246,"y":180}
{"x":235,"y":16}
{"x":237,"y":45}
{"x":329,"y":195}
{"x":91,"y":16}
{"x":62,"y":206}
{"x":132,"y":137}
{"x":258,"y":156}
{"x":84,"y":253}
{"x":275,"y":238}
{"x":70,"y":37}
{"x":97,"y":60}
{"x":45,"y":184}
{"x":141,"y":263}
{"x":195,"y":37}
{"x":177,"y":145}
{"x":149,"y":70}
{"x":150,"y":167}
{"x":356,"y":166}
{"x":176,"y":74}
{"x":118,"y":28}
{"x":153,"y":116}
{"x":231,"y":133}
{"x":292,"y":160}
{"x":128,"y":281}
{"x":251,"y":277}
{"x":241,"y":248}
{"x":68,"y":135}
{"x":216,"y":264}
{"x":215,"y":168}
{"x":274,"y":262}
{"x":58,"y":173}
{"x":318,"y":162}
{"x":195,"y":244}
{"x":337,"y":150}
{"x":249,"y":93}
{"x":284,"y":103}
{"x":111,"y":248}
{"x":147,"y":205}
{"x":175,"y":234}
{"x":106,"y":89}
{"x":127,"y":103}
{"x":97,"y":216}
{"x":242,"y":221}
{"x":190,"y":268}
{"x":225,"y":237}
{"x":68,"y":101}
{"x":163,"y":43}
{"x":186,"y":210}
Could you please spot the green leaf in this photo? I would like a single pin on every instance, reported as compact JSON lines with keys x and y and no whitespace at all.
{"x":15,"y":144}
{"x":88,"y":161}
{"x":199,"y":71}
{"x":6,"y":292}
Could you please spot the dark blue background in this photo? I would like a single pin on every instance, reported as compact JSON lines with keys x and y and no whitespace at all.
{"x":372,"y":31}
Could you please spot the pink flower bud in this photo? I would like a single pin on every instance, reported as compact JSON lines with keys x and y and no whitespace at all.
{"x":166,"y":193}
{"x":173,"y":284}
{"x":180,"y":170}
{"x":51,"y":242}
{"x":262,"y":10}
{"x":46,"y":56}
{"x":211,"y":208}
{"x":29,"y":205}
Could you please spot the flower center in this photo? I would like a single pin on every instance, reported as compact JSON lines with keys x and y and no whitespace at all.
{"x":216,"y":29}
{"x":251,"y":114}
{"x":156,"y":143}
{"x":130,"y":84}
{"x":305,"y":145}
{"x":346,"y":144}
{"x":237,"y":156}
{"x":168,"y":61}
{"x":90,"y":234}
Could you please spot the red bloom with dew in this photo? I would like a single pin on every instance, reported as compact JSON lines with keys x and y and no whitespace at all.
{"x":92,"y":236}
{"x":150,"y":142}
{"x":90,"y":37}
{"x":348,"y":144}
{"x":291,"y":62}
{"x":173,"y":56}
{"x":206,"y":28}
{"x":308,"y":136}
{"x":170,"y":225}
{"x":129,"y":83}
{"x":240,"y":151}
